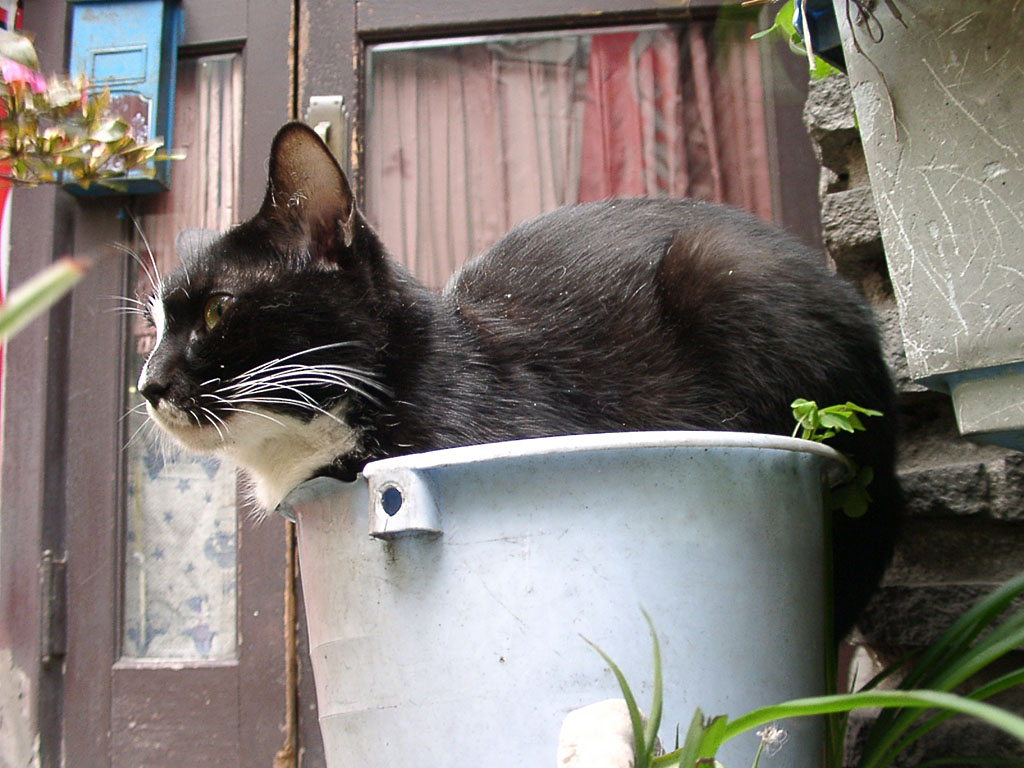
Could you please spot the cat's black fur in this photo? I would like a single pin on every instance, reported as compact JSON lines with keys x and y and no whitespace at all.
{"x":622,"y":315}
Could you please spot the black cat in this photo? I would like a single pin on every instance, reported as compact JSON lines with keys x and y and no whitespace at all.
{"x":295,"y":345}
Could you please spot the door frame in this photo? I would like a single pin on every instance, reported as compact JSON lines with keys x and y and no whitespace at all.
{"x":62,"y":490}
{"x":329,"y":32}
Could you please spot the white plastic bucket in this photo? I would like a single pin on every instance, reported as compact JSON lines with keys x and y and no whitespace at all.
{"x":448,"y":633}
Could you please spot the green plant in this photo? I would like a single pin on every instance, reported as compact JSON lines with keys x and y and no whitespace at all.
{"x":783,"y":28}
{"x":56,"y":129}
{"x":922,"y":700}
{"x":820,"y":424}
{"x":38,"y":294}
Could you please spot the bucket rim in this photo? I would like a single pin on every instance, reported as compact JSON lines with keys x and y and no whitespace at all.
{"x":606,"y":441}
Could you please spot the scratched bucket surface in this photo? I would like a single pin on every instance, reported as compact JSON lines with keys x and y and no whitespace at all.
{"x":447,"y":592}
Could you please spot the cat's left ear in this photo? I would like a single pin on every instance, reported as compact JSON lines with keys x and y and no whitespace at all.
{"x":307,"y":189}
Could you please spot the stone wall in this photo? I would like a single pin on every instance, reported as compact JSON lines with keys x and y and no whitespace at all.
{"x":964,"y":531}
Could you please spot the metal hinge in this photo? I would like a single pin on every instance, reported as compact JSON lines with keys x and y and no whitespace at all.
{"x":53,"y":593}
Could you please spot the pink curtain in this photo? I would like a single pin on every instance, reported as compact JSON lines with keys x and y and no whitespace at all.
{"x":464,"y":141}
{"x":674,"y":114}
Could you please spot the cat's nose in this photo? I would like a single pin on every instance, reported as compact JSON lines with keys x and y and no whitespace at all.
{"x":154,"y":391}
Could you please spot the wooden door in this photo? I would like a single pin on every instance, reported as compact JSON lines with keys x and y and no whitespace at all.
{"x":103,"y":692}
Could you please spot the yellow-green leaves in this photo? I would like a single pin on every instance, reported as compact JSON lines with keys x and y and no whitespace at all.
{"x":57,"y":130}
{"x":819,"y":424}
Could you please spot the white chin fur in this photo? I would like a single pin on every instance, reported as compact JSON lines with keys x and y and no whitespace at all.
{"x":276,"y":451}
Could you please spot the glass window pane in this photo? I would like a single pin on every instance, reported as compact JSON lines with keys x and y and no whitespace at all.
{"x":181,"y":519}
{"x":467,"y":137}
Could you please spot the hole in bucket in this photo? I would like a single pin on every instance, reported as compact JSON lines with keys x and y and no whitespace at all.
{"x":391,"y":500}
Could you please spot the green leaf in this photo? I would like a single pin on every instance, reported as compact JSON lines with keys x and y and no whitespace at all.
{"x":846,"y":702}
{"x":109,"y":130}
{"x":849,"y":499}
{"x":38,"y":294}
{"x":837,"y":421}
{"x":703,"y":739}
{"x":973,"y":642}
{"x":634,"y":712}
{"x":654,"y":713}
{"x":822,"y":69}
{"x":644,"y":738}
{"x":810,"y":419}
{"x":782,"y":27}
{"x":860,"y":409}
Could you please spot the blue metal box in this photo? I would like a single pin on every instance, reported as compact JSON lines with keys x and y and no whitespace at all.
{"x":130,"y":47}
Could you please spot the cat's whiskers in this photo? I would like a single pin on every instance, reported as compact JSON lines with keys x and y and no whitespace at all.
{"x":271,"y":395}
{"x":158,"y":282}
{"x":255,"y":413}
{"x":127,"y":306}
{"x":282,"y":374}
{"x":328,"y":371}
{"x":226,"y":404}
{"x":148,"y":424}
{"x":269,"y":373}
{"x":288,"y":401}
{"x":255,"y":370}
{"x":151,"y":272}
{"x":214,"y":419}
{"x":138,"y":408}
{"x":293,"y":383}
{"x":268,"y":395}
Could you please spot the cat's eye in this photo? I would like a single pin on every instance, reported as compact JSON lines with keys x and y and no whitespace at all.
{"x":215,"y":308}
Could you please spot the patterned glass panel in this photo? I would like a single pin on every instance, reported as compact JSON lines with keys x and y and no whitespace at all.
{"x":181,"y":526}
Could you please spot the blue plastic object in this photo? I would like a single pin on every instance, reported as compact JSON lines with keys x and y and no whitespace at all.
{"x":449,"y":624}
{"x":130,"y":47}
{"x":824,"y":31}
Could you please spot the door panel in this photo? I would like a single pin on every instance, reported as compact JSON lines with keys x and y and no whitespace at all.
{"x":181,"y":537}
{"x":176,"y":716}
{"x":126,"y":703}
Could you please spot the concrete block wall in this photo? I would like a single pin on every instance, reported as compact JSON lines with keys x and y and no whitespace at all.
{"x":964,"y":531}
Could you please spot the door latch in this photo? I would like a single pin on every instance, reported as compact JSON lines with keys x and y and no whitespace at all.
{"x":328,"y":116}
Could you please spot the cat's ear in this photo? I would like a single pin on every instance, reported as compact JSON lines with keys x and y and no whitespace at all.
{"x":307,"y":189}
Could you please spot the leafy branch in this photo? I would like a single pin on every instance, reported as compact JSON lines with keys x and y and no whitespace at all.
{"x":55,"y":130}
{"x":58,"y":129}
{"x":784,"y":28}
{"x":820,"y":424}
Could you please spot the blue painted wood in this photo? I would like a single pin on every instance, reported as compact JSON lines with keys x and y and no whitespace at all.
{"x":131,"y":47}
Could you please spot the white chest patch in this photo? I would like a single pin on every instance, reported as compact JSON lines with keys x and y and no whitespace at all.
{"x":276,"y":451}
